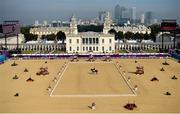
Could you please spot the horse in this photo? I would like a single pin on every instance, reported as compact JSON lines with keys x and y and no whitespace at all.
{"x":94,"y":70}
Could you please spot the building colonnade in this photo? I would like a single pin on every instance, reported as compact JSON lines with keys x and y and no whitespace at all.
{"x":118,"y":46}
{"x":34,"y":47}
{"x":141,"y":46}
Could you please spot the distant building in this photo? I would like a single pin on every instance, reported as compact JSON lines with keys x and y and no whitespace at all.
{"x":102,"y":15}
{"x":117,"y":13}
{"x":133,"y":15}
{"x":45,"y":23}
{"x":155,"y":21}
{"x":48,"y":30}
{"x":123,"y":14}
{"x":148,"y":18}
{"x":127,"y":13}
{"x":134,"y":29}
{"x":54,"y":23}
{"x":36,"y":23}
{"x":142,"y":18}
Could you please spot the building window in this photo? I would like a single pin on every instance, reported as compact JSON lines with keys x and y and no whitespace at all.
{"x":78,"y":48}
{"x":109,"y":48}
{"x":110,"y":41}
{"x":83,"y":40}
{"x":70,"y":41}
{"x":86,"y":48}
{"x":94,"y":41}
{"x":102,"y":48}
{"x":70,"y":48}
{"x":90,"y":48}
{"x":97,"y":41}
{"x":103,"y":41}
{"x":77,"y":41}
{"x":90,"y":40}
{"x":96,"y":48}
{"x":86,"y":40}
{"x":83,"y":48}
{"x":93,"y":48}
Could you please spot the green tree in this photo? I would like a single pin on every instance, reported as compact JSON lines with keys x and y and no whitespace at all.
{"x":51,"y":37}
{"x":128,"y":35}
{"x":27,"y":35}
{"x":136,"y":36}
{"x":112,"y":31}
{"x":86,"y":28}
{"x":155,"y":29}
{"x":25,"y":30}
{"x":30,"y":37}
{"x":153,"y":36}
{"x":146,"y":36}
{"x":61,"y":36}
{"x":43,"y":37}
{"x":141,"y":37}
{"x":120,"y":35}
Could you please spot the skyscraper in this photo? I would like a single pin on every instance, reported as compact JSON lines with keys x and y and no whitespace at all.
{"x":117,"y":13}
{"x":148,"y":18}
{"x":45,"y":23}
{"x":127,"y":13}
{"x":123,"y":14}
{"x":122,"y":10}
{"x":134,"y":15}
{"x":142,"y":18}
{"x":36,"y":23}
{"x":103,"y":15}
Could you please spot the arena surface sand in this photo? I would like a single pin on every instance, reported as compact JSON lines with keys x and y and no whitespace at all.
{"x":78,"y":80}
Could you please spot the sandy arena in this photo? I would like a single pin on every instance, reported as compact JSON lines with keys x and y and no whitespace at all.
{"x":73,"y":87}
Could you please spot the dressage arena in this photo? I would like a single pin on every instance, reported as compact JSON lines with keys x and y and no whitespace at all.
{"x":72,"y":86}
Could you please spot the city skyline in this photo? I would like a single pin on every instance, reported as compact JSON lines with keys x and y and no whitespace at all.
{"x":28,"y":11}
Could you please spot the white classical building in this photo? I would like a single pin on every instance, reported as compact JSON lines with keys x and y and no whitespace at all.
{"x":84,"y":42}
{"x":90,"y":42}
{"x":48,"y":30}
{"x":134,"y":29}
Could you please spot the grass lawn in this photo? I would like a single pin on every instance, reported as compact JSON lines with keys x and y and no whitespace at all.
{"x":151,"y":51}
{"x":123,"y":51}
{"x":28,"y":52}
{"x":58,"y":51}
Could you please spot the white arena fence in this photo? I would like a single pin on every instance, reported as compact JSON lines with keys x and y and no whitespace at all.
{"x":95,"y":56}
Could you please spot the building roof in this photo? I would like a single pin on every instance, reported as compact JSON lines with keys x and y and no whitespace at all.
{"x":90,"y":34}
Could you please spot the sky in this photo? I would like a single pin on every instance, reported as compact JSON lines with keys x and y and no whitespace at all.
{"x":27,"y":11}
